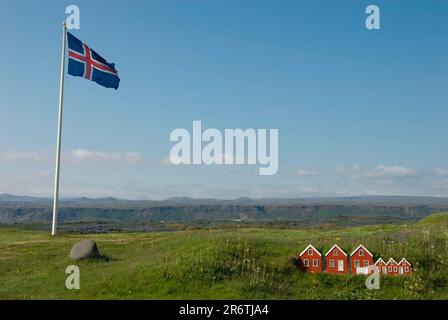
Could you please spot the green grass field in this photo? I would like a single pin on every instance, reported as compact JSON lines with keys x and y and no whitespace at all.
{"x":221,"y":264}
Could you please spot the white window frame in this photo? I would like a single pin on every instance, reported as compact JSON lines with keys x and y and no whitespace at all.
{"x":331,"y":263}
{"x":310,"y":252}
{"x":406,"y":269}
{"x":357,"y":263}
{"x":366,"y":263}
{"x":361,"y":252}
{"x":306,"y":262}
{"x":315,"y":262}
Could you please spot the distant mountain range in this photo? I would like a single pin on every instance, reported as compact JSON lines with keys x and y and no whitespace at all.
{"x":14,"y":209}
{"x":371,"y":199}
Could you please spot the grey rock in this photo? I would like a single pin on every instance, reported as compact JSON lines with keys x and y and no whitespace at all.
{"x":84,"y":249}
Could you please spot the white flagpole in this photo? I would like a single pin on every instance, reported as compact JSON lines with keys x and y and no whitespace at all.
{"x":58,"y":148}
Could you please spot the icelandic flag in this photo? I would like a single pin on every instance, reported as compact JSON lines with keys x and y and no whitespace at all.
{"x":85,"y":62}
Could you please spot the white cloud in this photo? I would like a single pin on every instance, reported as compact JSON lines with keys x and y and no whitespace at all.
{"x":13,"y":155}
{"x":356,"y":171}
{"x":441,"y":172}
{"x":73,"y":156}
{"x":171,"y":160}
{"x":350,"y":170}
{"x":32,"y":173}
{"x":306,"y":173}
{"x":312,"y":190}
{"x":391,"y":171}
{"x":84,"y":155}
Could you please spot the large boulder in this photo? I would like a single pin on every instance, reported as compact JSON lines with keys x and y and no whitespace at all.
{"x":84,"y":249}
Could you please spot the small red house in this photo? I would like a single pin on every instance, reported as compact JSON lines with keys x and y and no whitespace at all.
{"x":360,"y":260}
{"x":380,"y":266}
{"x":392,"y":267}
{"x":336,"y":260}
{"x":310,"y":260}
{"x":404,"y":267}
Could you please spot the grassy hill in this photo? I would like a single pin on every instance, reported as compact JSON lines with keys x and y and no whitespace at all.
{"x":250,"y":263}
{"x":436,"y":219}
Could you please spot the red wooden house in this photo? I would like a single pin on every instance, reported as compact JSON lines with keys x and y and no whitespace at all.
{"x":380,"y":266}
{"x":310,"y":260}
{"x":404,"y":267}
{"x":360,"y":260}
{"x":392,"y":267}
{"x":336,"y":260}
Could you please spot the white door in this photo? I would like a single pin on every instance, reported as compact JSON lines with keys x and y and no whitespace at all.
{"x":340,"y":265}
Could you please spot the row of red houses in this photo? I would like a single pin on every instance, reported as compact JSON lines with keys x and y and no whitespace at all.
{"x":360,"y":261}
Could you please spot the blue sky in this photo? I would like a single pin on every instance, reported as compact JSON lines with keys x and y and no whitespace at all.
{"x":358,"y":111}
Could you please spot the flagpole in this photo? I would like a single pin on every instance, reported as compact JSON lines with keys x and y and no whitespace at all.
{"x":58,"y":148}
